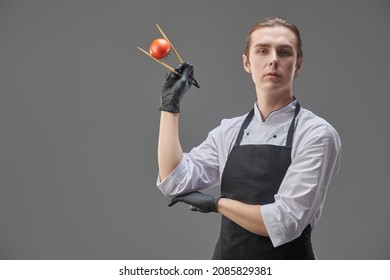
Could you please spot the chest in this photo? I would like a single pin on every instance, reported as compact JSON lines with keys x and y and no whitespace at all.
{"x":263,"y":133}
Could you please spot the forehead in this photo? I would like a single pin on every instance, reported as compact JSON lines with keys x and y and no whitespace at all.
{"x":275,"y":35}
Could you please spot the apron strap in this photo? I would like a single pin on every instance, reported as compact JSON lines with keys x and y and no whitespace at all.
{"x":249,"y":117}
{"x":244,"y":126}
{"x":292,"y":126}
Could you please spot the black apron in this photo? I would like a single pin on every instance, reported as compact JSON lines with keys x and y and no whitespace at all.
{"x":252,"y":175}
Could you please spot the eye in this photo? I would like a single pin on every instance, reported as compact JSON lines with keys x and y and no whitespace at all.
{"x":261,"y":51}
{"x":285,"y":52}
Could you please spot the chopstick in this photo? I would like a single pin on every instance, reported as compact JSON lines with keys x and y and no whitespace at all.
{"x":166,"y":38}
{"x":162,"y":63}
{"x":191,"y":78}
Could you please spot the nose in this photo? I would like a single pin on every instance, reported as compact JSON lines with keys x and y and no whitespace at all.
{"x":273,"y":58}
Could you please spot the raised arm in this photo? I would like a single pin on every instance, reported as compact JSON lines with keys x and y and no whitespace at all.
{"x":169,"y":148}
{"x":170,"y":152}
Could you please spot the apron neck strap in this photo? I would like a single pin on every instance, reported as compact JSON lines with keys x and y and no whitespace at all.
{"x":244,"y":126}
{"x":292,"y":126}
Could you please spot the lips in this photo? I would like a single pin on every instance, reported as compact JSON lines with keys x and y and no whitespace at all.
{"x":273,"y":74}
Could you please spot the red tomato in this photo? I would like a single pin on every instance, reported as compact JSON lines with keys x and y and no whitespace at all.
{"x":159,"y":48}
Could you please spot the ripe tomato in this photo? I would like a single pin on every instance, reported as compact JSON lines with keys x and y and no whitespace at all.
{"x":159,"y":48}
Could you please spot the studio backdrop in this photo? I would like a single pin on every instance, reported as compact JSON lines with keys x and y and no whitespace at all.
{"x":79,"y":121}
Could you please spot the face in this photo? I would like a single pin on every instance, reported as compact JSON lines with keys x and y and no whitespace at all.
{"x":272,"y":59}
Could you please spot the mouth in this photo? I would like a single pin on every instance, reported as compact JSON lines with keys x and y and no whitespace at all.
{"x":272,"y":74}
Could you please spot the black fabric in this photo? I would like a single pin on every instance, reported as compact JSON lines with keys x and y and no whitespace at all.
{"x":175,"y":87}
{"x":198,"y":201}
{"x":252,"y":175}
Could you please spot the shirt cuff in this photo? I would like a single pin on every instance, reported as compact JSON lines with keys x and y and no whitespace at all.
{"x":269,"y":213}
{"x":171,"y":185}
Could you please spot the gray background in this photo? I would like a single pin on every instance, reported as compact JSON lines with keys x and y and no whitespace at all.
{"x":79,"y":121}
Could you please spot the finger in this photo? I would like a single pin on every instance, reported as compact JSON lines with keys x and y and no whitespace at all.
{"x":173,"y":202}
{"x":193,"y":208}
{"x":187,"y":70}
{"x":179,"y":66}
{"x":170,"y":75}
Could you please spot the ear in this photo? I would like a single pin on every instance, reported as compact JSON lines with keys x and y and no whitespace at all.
{"x":246,"y":64}
{"x":298,"y":66}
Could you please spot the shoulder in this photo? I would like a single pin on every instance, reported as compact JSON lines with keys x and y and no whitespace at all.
{"x":313,"y":127}
{"x":232,"y":123}
{"x":228,"y":129}
{"x":229,"y":125}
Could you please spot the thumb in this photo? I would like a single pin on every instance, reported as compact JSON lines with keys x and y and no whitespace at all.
{"x":174,"y":201}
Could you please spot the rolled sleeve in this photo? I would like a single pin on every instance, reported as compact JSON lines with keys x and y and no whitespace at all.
{"x":171,"y":185}
{"x":268,"y":212}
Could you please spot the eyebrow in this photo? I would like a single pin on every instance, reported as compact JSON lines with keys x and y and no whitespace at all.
{"x":260,"y":45}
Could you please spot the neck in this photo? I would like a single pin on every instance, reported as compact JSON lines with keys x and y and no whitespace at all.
{"x":271,"y":102}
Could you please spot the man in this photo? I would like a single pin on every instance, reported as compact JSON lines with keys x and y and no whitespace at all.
{"x":274,"y":164}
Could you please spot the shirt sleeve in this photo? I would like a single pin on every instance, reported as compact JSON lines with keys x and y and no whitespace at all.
{"x":198,"y":169}
{"x":301,"y":195}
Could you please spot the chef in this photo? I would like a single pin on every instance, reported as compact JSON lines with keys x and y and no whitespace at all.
{"x":274,"y":164}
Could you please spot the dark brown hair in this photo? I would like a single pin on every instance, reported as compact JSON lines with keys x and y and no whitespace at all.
{"x":270,"y":22}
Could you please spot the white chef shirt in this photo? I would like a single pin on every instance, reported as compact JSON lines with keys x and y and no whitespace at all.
{"x":315,"y":160}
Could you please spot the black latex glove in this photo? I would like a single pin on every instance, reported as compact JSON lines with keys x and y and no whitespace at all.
{"x":175,"y":87}
{"x":198,"y":201}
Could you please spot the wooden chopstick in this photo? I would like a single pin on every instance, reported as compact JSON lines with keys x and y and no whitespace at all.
{"x":162,"y":63}
{"x":174,"y":50}
{"x":191,"y":79}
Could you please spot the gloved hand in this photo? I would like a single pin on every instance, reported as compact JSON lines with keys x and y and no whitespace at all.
{"x":175,"y":87}
{"x":198,"y":201}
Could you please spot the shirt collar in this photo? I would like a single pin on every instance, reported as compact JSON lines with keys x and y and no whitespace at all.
{"x":282,"y":113}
